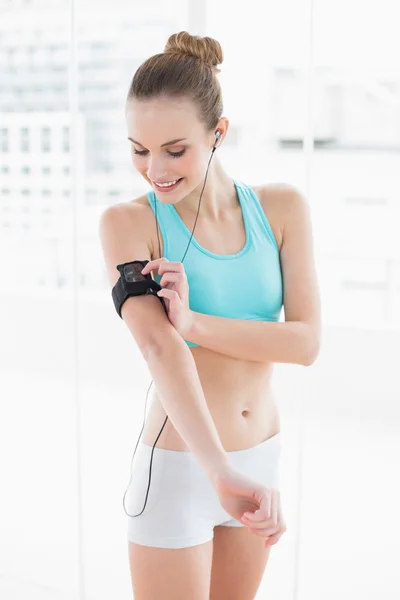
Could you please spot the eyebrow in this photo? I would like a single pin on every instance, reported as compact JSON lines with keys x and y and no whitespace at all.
{"x":162,"y":145}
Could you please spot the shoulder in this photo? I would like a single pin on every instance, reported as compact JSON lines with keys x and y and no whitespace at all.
{"x":131,"y":212}
{"x":130,"y":217}
{"x":281,"y":202}
{"x":280,"y":197}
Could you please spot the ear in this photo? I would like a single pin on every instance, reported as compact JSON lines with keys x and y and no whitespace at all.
{"x":222,"y":127}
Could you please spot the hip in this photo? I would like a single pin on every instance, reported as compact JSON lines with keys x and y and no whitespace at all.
{"x":178,"y":507}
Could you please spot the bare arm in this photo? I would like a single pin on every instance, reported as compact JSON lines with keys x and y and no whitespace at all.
{"x":297,"y":340}
{"x":170,"y":361}
{"x":174,"y":371}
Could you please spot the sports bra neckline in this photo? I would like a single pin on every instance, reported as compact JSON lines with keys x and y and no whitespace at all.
{"x":194,"y":241}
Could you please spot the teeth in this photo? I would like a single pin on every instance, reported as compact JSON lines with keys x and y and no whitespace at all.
{"x":167,"y":184}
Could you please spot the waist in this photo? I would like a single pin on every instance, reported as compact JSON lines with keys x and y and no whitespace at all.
{"x":240,"y":400}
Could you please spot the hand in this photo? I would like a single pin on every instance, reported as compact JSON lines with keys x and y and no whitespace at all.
{"x":175,"y":292}
{"x":255,"y":505}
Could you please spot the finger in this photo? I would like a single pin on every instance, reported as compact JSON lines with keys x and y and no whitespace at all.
{"x":264,"y":529}
{"x":264,"y":533}
{"x":275,"y":507}
{"x":267,"y":527}
{"x":153,"y":264}
{"x":170,"y":294}
{"x":274,"y":539}
{"x":171,"y":278}
{"x":263,"y":513}
{"x":260,"y":519}
{"x":270,"y":527}
{"x":272,"y":533}
{"x":176,"y":267}
{"x":259,"y":525}
{"x":265,"y":505}
{"x":254,"y":518}
{"x":281,"y":521}
{"x":268,"y":531}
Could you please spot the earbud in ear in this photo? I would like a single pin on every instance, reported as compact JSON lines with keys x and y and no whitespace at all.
{"x":217,"y":137}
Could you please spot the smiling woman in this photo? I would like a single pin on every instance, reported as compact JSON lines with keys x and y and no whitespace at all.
{"x":213,"y":428}
{"x":170,"y":162}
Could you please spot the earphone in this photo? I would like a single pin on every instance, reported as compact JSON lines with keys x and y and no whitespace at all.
{"x":218,"y":139}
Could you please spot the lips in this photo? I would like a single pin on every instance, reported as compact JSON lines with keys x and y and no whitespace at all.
{"x":169,"y":187}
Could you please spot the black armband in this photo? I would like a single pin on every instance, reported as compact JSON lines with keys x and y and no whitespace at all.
{"x":133,"y":283}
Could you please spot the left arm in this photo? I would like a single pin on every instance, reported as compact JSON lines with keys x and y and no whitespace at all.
{"x":297,"y":339}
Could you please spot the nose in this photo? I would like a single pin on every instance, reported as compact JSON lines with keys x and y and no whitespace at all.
{"x":156,"y":170}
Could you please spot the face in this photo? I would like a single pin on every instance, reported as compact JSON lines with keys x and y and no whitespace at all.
{"x":152,"y":123}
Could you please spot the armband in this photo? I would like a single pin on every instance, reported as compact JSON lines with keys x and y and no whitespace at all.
{"x":132,"y":282}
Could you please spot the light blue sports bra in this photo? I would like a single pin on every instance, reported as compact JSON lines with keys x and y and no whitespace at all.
{"x":246,"y":285}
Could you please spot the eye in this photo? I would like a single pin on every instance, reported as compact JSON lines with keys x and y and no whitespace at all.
{"x":173,"y":154}
{"x":177,"y":154}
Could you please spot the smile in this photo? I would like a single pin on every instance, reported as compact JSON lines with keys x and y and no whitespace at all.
{"x":165,"y":187}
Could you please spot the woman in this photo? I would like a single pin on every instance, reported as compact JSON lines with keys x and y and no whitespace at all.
{"x":213,"y":509}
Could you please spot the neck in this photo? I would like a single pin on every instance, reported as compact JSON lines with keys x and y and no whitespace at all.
{"x":219,"y":195}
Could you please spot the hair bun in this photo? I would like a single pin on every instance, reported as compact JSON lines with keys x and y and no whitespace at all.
{"x":206,"y":49}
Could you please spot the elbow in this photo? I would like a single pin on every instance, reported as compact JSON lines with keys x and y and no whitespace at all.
{"x":148,"y":350}
{"x":152,"y":349}
{"x":163,"y":345}
{"x":311,"y":350}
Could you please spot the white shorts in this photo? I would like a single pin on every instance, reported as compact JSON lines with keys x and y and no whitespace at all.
{"x":182,"y":506}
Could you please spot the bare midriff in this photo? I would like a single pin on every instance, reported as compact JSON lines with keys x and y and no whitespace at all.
{"x":239,"y":398}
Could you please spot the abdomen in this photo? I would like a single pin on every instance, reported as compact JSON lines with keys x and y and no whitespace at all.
{"x":239,"y":397}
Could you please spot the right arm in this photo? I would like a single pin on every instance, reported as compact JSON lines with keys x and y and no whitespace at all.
{"x":169,"y":360}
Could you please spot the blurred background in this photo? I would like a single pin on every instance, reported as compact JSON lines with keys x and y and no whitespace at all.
{"x":312,"y":92}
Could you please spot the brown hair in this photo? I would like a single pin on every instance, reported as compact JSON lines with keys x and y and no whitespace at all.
{"x":186,"y":68}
